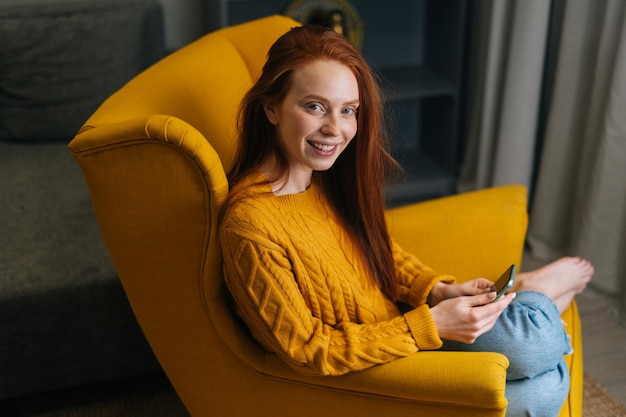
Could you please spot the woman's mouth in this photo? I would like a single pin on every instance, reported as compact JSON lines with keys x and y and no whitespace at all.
{"x":322,"y":147}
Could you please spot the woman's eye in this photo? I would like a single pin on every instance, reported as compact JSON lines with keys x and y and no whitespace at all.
{"x":314,"y":107}
{"x":349,"y":111}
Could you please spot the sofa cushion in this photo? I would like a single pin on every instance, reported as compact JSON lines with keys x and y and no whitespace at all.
{"x":64,"y":315}
{"x":60,"y":60}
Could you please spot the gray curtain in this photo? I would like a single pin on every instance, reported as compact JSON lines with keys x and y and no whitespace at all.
{"x":507,"y":59}
{"x":574,"y":103}
{"x":580,"y":198}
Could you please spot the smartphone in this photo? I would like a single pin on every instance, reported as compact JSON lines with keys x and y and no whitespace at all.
{"x":504,"y":283}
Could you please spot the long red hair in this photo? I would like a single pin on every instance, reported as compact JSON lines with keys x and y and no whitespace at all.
{"x":354,"y":184}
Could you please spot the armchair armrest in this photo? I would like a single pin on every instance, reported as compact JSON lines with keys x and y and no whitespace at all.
{"x":469,"y":235}
{"x":458,"y":379}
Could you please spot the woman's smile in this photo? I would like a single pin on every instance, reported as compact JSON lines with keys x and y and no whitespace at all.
{"x":324,"y":149}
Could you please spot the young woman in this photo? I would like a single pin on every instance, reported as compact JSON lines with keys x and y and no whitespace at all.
{"x":308,"y":259}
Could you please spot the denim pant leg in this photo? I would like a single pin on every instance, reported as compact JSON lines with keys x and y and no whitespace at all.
{"x":531,"y":335}
{"x":541,"y":396}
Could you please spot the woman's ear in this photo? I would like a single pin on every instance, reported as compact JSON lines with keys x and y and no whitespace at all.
{"x":270,"y":113}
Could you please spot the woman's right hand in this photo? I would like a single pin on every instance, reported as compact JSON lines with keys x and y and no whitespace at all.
{"x":463,"y":319}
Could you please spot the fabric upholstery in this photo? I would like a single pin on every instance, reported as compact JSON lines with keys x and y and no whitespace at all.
{"x":153,"y":156}
{"x":60,"y":60}
{"x":65,"y":320}
{"x":64,"y":316}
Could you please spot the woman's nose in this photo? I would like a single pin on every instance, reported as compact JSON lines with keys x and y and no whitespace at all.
{"x":330,"y":126}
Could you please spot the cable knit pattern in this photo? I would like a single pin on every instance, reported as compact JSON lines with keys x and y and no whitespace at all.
{"x":300,"y":286}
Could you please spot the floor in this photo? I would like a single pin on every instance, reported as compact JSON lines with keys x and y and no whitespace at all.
{"x":604,"y":342}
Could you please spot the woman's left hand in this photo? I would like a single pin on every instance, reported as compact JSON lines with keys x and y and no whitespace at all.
{"x":443,"y":291}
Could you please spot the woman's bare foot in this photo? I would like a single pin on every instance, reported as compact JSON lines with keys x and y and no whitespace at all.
{"x":560,"y":280}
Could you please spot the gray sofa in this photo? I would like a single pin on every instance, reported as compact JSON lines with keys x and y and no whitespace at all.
{"x":64,"y":319}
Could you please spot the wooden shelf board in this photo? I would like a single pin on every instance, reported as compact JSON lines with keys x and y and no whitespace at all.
{"x":411,"y":82}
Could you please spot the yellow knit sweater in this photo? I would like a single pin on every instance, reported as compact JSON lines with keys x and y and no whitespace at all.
{"x":301,"y":288}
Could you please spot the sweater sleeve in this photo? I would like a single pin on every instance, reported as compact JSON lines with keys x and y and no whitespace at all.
{"x":415,"y":280}
{"x":260,"y":278}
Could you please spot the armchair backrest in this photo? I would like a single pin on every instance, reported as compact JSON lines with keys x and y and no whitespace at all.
{"x":153,"y":157}
{"x":201,"y":84}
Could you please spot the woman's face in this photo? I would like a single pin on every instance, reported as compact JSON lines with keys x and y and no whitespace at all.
{"x":318,"y":117}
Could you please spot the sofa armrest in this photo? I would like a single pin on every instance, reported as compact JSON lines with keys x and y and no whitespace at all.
{"x":469,"y":235}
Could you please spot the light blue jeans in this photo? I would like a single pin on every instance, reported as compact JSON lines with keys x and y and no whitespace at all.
{"x":531,"y":335}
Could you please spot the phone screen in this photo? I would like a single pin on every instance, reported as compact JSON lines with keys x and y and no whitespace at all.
{"x":505,"y":282}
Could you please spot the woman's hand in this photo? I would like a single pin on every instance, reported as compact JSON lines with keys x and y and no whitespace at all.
{"x":464,"y":318}
{"x":443,"y":291}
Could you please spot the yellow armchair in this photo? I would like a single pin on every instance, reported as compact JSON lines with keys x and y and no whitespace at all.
{"x":154,"y":158}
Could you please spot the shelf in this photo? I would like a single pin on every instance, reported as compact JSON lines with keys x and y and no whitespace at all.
{"x":422,"y":179}
{"x":414,"y":82}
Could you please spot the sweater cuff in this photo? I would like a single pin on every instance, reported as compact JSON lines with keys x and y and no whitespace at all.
{"x":423,"y":329}
{"x":421,"y":288}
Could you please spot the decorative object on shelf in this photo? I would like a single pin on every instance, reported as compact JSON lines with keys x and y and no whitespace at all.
{"x":339,"y":15}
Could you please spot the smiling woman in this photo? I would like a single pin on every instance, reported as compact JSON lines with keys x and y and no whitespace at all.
{"x":308,"y":258}
{"x":346,"y":109}
{"x":316,"y":91}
